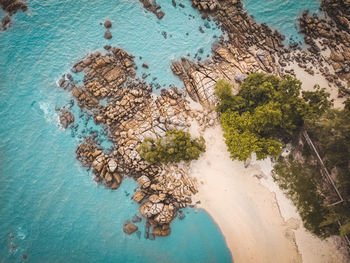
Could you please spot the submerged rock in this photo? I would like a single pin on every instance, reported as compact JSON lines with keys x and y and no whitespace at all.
{"x":5,"y":22}
{"x":129,"y":228}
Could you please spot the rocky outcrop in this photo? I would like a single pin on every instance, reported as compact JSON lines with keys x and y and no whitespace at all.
{"x":163,"y":230}
{"x":332,"y":35}
{"x":131,"y":114}
{"x":206,"y":5}
{"x":11,"y":7}
{"x":66,"y":118}
{"x":152,"y":6}
{"x":5,"y":23}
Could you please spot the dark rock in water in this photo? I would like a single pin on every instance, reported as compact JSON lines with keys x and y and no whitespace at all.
{"x":136,"y":219}
{"x":181,"y":215}
{"x":144,"y":65}
{"x":160,"y":14}
{"x":5,"y":22}
{"x":173,"y":3}
{"x":61,"y":81}
{"x":108,"y":34}
{"x":108,"y":24}
{"x":12,"y":6}
{"x":181,"y":5}
{"x":164,"y":34}
{"x":69,"y":77}
{"x":129,"y":228}
{"x":201,"y":30}
{"x":24,"y":256}
{"x":66,"y":118}
{"x":107,"y":47}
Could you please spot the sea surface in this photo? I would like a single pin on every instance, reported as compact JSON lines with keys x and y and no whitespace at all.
{"x":282,"y":15}
{"x":51,"y":210}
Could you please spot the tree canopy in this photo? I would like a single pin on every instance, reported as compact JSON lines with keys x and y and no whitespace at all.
{"x":301,"y":178}
{"x":266,"y":111}
{"x":175,"y":146}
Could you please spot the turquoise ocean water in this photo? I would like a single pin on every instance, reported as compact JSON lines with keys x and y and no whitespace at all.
{"x":282,"y":15}
{"x":50,"y":208}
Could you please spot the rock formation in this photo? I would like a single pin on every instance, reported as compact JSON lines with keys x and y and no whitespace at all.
{"x":152,"y":6}
{"x":11,"y":7}
{"x":131,"y":114}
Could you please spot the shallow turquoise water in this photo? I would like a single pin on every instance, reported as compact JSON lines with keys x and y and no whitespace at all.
{"x":282,"y":15}
{"x":51,"y":209}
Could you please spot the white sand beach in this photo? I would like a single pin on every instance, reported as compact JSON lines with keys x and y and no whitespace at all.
{"x":258,"y":222}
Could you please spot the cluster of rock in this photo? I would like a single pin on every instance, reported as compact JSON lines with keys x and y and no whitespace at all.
{"x":206,"y":5}
{"x":11,"y":7}
{"x":152,"y":6}
{"x":330,"y":34}
{"x":250,"y":47}
{"x":66,"y":118}
{"x":108,"y":25}
{"x":131,"y":114}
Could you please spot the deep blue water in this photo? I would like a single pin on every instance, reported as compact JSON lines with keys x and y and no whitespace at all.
{"x":282,"y":15}
{"x":50,"y":208}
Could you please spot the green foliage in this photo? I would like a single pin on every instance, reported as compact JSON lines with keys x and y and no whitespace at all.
{"x":332,"y":134}
{"x":345,"y":229}
{"x":347,"y":104}
{"x":265,"y":111}
{"x":318,"y":101}
{"x":299,"y":182}
{"x":175,"y":146}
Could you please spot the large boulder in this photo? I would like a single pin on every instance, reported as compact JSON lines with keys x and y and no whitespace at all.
{"x":144,"y":181}
{"x":108,"y":24}
{"x":108,"y":34}
{"x":66,"y":118}
{"x":163,"y":230}
{"x":149,"y":209}
{"x":112,"y":165}
{"x":138,"y":196}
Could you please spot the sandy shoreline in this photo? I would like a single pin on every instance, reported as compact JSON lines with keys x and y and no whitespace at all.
{"x":258,"y":224}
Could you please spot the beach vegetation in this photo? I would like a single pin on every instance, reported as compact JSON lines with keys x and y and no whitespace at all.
{"x":302,"y":180}
{"x":175,"y":146}
{"x":266,"y":112}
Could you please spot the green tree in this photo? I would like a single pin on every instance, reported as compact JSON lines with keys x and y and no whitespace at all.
{"x":266,"y":111}
{"x":175,"y":146}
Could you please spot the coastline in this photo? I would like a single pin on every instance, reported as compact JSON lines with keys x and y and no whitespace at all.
{"x":258,"y":222}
